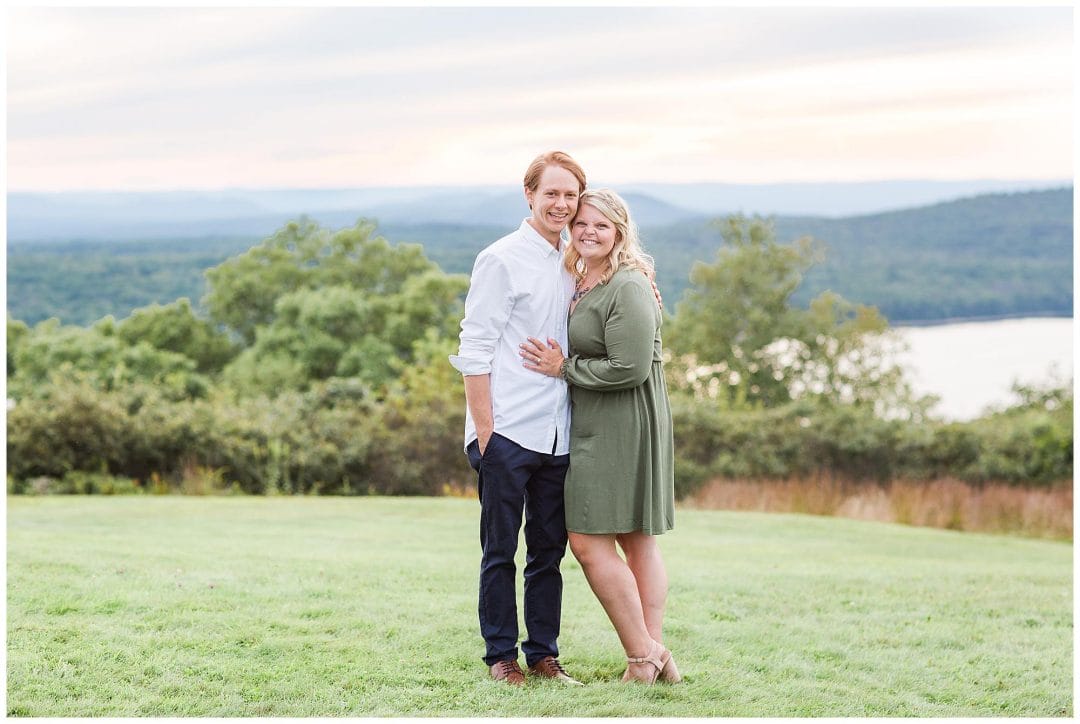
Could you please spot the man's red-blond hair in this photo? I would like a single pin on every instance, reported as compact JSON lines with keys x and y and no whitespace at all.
{"x":552,"y":158}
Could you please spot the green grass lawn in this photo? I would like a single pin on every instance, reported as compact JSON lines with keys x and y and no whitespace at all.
{"x":186,"y":606}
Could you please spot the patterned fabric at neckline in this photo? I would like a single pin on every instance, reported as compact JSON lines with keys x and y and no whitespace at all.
{"x":581,"y":291}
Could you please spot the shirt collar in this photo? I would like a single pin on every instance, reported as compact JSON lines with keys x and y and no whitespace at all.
{"x":533,"y":237}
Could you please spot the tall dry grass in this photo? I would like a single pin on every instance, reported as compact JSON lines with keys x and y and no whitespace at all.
{"x":942,"y":503}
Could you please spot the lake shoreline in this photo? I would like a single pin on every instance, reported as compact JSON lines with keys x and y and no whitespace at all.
{"x":966,"y":320}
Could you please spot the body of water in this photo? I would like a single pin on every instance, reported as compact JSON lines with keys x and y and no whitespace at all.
{"x":972,"y":365}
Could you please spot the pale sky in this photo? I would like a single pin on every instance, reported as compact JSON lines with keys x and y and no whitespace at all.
{"x":193,"y":98}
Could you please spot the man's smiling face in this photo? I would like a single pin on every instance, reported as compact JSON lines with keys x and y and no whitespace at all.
{"x":554,"y":201}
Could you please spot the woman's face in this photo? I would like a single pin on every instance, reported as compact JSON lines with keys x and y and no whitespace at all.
{"x":592,"y":234}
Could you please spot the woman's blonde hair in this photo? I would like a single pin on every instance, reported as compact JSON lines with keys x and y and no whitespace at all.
{"x":627,"y":250}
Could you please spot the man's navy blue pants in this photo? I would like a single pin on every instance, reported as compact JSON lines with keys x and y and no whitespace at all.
{"x":511,"y":478}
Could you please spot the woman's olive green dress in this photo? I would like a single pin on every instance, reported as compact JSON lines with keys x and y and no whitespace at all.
{"x":621,"y":476}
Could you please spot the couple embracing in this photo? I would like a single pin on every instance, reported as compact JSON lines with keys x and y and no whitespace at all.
{"x":580,"y":439}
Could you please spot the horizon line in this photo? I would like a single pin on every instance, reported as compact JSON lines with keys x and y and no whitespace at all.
{"x":225,"y":189}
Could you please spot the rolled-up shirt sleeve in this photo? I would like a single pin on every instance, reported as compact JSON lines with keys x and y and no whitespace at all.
{"x":487,"y":310}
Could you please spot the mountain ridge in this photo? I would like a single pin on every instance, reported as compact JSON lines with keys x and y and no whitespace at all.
{"x":40,"y":216}
{"x":986,"y":256}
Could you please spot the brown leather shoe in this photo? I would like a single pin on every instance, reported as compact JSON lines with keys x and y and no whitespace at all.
{"x":550,"y":668}
{"x":508,"y":671}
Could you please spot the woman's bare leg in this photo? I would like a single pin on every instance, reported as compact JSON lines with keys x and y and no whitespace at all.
{"x":647,"y":565}
{"x":613,"y":583}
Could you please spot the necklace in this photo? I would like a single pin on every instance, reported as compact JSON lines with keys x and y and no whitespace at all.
{"x":581,"y":290}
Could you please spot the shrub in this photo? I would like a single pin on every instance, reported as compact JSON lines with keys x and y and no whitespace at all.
{"x":72,"y":426}
{"x":416,"y":438}
{"x":339,"y":437}
{"x":1027,"y":445}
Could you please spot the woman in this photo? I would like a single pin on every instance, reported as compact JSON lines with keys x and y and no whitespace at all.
{"x":620,"y":486}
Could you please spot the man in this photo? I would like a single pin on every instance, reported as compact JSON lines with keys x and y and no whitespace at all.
{"x":517,"y":423}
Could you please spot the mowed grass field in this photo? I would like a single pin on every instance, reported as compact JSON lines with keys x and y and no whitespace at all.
{"x":189,"y":606}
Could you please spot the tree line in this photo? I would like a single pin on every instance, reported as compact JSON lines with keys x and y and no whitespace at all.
{"x":319,"y":366}
{"x":987,"y":256}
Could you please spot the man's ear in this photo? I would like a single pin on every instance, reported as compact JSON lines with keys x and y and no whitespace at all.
{"x":528,"y":196}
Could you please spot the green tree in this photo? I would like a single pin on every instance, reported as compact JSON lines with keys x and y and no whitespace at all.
{"x":175,"y":328}
{"x":244,"y":290}
{"x":737,"y":337}
{"x":16,"y":332}
{"x":315,"y":335}
{"x":314,"y":305}
{"x":96,"y":355}
{"x":318,"y":334}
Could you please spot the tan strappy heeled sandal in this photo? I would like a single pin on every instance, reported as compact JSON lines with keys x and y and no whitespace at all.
{"x":663,"y":663}
{"x":669,"y":672}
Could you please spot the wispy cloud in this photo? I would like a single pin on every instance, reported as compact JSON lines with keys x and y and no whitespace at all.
{"x":160,"y":98}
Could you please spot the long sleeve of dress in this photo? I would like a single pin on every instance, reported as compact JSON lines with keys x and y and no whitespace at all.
{"x":629,"y":333}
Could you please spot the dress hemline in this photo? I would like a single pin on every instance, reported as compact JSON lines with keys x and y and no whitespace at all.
{"x":618,"y":532}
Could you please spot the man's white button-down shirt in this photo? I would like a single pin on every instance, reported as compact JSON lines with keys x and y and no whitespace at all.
{"x":518,"y":289}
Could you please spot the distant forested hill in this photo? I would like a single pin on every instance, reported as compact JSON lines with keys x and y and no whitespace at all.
{"x":985,"y":256}
{"x":990,"y":255}
{"x":82,"y":281}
